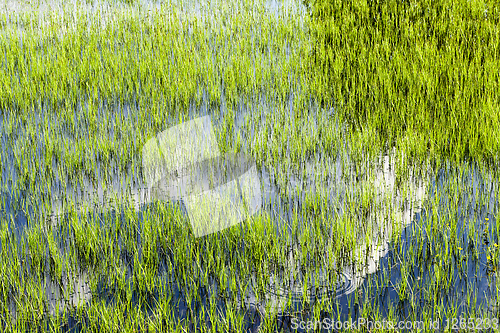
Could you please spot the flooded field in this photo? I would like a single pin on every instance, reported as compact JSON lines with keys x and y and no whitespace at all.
{"x":171,"y":169}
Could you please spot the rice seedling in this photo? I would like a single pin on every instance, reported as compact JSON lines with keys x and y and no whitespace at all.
{"x":336,"y":235}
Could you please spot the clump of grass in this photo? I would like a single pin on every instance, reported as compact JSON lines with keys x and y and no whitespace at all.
{"x":414,"y":72}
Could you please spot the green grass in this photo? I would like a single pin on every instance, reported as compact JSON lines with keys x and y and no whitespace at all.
{"x":419,"y":73}
{"x":61,"y":85}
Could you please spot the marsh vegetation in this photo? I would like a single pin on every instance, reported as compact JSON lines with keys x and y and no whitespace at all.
{"x":378,"y":163}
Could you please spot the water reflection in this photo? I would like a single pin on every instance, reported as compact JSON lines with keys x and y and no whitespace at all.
{"x":404,"y":204}
{"x":330,"y":176}
{"x":99,"y":14}
{"x":289,"y":283}
{"x":56,"y":294}
{"x":74,"y":291}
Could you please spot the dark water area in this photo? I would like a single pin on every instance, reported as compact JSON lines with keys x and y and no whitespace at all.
{"x":472,"y":276}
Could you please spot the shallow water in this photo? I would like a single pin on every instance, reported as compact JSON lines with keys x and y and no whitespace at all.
{"x":281,"y":212}
{"x":333,"y":176}
{"x":476,"y":280}
{"x":100,"y":14}
{"x":370,"y":286}
{"x":471,"y":275}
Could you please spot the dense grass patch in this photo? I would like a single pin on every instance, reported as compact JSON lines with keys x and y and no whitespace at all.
{"x":421,"y":73}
